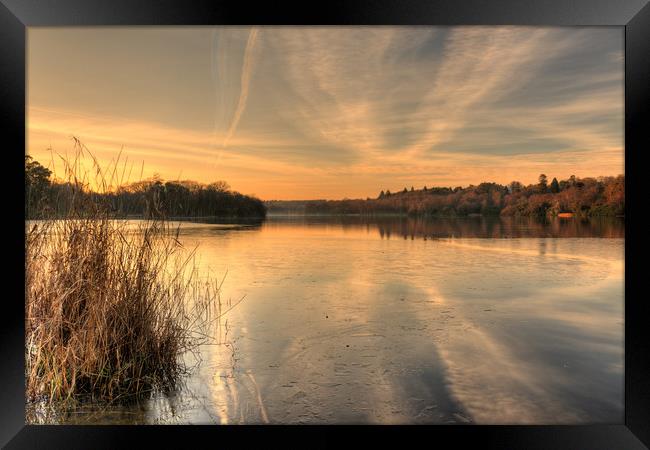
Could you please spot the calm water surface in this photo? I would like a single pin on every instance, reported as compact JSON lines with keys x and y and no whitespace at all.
{"x":401,"y":321}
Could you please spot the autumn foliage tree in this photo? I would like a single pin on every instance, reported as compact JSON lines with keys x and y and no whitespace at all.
{"x":604,"y":196}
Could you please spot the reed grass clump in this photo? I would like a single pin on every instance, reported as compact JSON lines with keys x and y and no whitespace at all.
{"x":111,"y":306}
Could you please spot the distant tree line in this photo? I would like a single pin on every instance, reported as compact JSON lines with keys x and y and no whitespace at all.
{"x":286,"y":207}
{"x":583,"y":197}
{"x":148,"y":198}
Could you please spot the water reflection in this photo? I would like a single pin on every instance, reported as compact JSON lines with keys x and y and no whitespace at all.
{"x":468,"y":227}
{"x":349,"y":320}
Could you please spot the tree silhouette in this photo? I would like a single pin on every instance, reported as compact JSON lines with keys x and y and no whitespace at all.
{"x":37,"y":182}
{"x":555,"y":186}
{"x":543,"y":183}
{"x":151,"y":197}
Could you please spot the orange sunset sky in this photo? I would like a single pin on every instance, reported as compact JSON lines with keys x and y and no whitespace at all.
{"x":331,"y":112}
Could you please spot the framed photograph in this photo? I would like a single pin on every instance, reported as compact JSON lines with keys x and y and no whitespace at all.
{"x":355,"y":223}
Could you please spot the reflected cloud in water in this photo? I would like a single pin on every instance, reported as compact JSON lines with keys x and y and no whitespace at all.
{"x":345,"y":321}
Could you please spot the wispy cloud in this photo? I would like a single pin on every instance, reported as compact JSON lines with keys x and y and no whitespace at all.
{"x":329,"y":112}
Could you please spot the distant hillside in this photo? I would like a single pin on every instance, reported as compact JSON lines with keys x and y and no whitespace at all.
{"x":584,"y":197}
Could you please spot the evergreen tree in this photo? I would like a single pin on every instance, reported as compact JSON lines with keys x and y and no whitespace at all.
{"x":555,"y":186}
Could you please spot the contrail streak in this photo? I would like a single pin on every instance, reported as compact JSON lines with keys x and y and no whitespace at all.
{"x":245,"y":81}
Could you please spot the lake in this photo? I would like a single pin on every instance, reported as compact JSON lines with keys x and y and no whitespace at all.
{"x":393,"y":320}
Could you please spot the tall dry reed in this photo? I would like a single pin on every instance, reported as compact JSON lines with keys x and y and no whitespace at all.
{"x":111,"y":306}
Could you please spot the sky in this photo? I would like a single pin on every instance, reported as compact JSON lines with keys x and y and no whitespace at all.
{"x":331,"y":112}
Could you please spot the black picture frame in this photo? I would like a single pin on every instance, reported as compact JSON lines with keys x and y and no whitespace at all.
{"x":633,"y":15}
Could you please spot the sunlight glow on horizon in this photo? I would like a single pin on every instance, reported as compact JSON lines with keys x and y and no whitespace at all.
{"x":332,"y":112}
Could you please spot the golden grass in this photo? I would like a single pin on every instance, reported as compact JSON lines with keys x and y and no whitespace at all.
{"x":111,"y":306}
